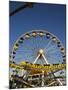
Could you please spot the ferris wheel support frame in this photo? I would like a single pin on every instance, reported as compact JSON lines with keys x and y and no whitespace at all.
{"x":46,"y":61}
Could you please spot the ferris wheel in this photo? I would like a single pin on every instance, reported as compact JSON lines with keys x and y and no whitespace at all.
{"x":37,"y":44}
{"x":39,"y":47}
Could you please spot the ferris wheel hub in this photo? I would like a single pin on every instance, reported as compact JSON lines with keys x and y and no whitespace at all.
{"x":41,"y":51}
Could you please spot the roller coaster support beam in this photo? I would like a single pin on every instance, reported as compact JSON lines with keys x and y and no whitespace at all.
{"x":30,"y":5}
{"x":43,"y":78}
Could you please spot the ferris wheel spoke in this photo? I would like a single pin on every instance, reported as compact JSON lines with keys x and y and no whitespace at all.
{"x":54,"y":60}
{"x":51,"y":48}
{"x":27,"y":46}
{"x":25,"y":56}
{"x":34,"y":44}
{"x":50,"y":41}
{"x":53,"y":51}
{"x":21,"y":53}
{"x":25,"y":50}
{"x":53,"y":56}
{"x":41,"y":42}
{"x":56,"y":54}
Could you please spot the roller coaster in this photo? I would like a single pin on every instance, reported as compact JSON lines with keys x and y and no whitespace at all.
{"x":37,"y":59}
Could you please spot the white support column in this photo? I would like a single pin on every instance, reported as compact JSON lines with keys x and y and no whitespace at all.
{"x":51,"y":83}
{"x":36,"y":59}
{"x":60,"y":82}
{"x":43,"y":78}
{"x":45,"y":59}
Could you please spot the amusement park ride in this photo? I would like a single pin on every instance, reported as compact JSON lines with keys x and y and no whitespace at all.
{"x":37,"y":60}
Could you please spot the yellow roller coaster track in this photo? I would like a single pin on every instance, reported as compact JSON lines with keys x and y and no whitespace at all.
{"x":38,"y":67}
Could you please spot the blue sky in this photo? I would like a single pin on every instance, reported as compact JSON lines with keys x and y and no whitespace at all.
{"x":49,"y":17}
